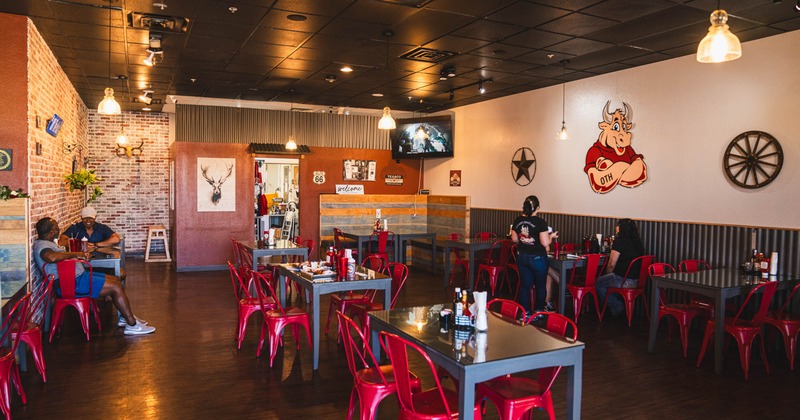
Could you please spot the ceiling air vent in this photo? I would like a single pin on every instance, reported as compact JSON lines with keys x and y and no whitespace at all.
{"x":427,"y":55}
{"x":155,"y":22}
{"x":409,"y":3}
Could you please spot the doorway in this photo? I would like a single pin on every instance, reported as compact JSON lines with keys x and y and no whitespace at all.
{"x":277,"y":197}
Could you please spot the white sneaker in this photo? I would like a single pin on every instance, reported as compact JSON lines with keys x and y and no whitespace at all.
{"x":123,"y":322}
{"x":139,"y":329}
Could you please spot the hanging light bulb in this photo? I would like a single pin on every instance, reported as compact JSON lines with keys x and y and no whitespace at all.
{"x":122,"y":139}
{"x":562,"y":134}
{"x":719,"y":45}
{"x":291,"y":144}
{"x":109,"y":105}
{"x":387,"y":122}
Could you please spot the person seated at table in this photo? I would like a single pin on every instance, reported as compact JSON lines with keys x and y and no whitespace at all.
{"x":45,"y":251}
{"x":98,"y":234}
{"x":627,"y":247}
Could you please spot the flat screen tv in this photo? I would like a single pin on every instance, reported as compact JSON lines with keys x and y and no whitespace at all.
{"x":427,"y":137}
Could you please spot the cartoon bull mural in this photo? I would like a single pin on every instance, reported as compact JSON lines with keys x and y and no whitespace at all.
{"x":611,"y":160}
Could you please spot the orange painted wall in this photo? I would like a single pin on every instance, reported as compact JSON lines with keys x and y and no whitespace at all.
{"x":330,"y":160}
{"x":14,"y":91}
{"x":202,"y":240}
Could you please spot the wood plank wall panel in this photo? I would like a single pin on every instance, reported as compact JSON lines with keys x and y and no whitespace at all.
{"x":448,"y":214}
{"x":356,"y":213}
{"x":671,"y":242}
{"x":213,"y":124}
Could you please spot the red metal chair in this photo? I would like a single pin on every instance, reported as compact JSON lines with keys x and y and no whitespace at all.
{"x":342,"y":302}
{"x":682,"y":313}
{"x":383,"y":240}
{"x":629,"y":295}
{"x":745,"y":330}
{"x":399,"y":273}
{"x":246,"y":303}
{"x":430,"y":404}
{"x":371,"y":381}
{"x":495,"y":264}
{"x":513,"y":395}
{"x":705,"y":302}
{"x":9,"y":371}
{"x":507,"y":308}
{"x":84,"y":303}
{"x":788,"y":324}
{"x":513,"y":267}
{"x":580,"y":288}
{"x":568,"y":247}
{"x":485,"y":236}
{"x":341,"y":242}
{"x":276,"y":319}
{"x":246,"y":261}
{"x":31,"y":332}
{"x":460,"y":260}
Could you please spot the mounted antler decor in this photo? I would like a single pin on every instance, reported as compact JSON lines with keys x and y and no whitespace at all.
{"x":126,"y":149}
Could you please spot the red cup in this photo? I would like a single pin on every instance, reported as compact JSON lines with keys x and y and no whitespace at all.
{"x":342,"y":268}
{"x":75,"y":245}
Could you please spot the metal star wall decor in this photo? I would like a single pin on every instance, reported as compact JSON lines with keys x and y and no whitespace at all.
{"x":523,"y":166}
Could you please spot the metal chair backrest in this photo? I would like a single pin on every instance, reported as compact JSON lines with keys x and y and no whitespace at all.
{"x":397,"y":349}
{"x":659,"y":269}
{"x":40,"y":298}
{"x":568,"y":248}
{"x":788,"y":300}
{"x":312,"y":249}
{"x":18,"y":315}
{"x":67,"y":270}
{"x":265,"y":290}
{"x":768,"y":289}
{"x":240,"y":288}
{"x":508,"y":308}
{"x":592,"y":269}
{"x":236,"y":254}
{"x":399,"y":273}
{"x":485,"y":236}
{"x":358,"y":356}
{"x":374,"y":262}
{"x":691,"y":266}
{"x":383,"y":239}
{"x":245,"y":259}
{"x":556,"y":324}
{"x":644,"y":262}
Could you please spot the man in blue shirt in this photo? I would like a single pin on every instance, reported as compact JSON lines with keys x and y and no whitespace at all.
{"x":97,"y":234}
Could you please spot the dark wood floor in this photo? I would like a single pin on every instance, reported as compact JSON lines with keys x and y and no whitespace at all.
{"x":190,"y":368}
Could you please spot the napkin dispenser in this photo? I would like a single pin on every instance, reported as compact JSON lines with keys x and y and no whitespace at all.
{"x":481,"y":323}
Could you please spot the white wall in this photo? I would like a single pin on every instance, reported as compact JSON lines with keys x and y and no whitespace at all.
{"x":684,"y":116}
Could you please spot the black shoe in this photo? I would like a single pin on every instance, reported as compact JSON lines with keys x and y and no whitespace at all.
{"x":537,"y":318}
{"x":548,"y":307}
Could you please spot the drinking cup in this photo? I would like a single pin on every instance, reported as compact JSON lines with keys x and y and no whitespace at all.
{"x":74,"y":245}
{"x":445,"y":318}
{"x":314,"y":265}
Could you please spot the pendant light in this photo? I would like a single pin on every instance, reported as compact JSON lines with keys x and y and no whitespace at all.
{"x":719,"y":45}
{"x":291,"y":144}
{"x":109,"y":106}
{"x":562,"y":134}
{"x":387,"y":122}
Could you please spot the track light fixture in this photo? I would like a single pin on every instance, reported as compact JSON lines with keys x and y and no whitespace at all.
{"x":146,"y":97}
{"x":154,"y":48}
{"x":447,"y":72}
{"x":481,"y":89}
{"x":452,"y":95}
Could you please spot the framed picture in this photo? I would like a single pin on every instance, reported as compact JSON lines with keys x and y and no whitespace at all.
{"x":455,"y":178}
{"x":216,"y":184}
{"x":359,"y":170}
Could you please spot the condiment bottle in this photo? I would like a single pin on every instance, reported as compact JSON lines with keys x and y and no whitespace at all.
{"x":457,"y":308}
{"x":464,"y":303}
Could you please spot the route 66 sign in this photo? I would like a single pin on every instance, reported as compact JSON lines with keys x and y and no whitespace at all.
{"x":319,"y":177}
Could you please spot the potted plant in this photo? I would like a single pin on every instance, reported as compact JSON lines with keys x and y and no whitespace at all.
{"x":83,"y":179}
{"x":6,"y":193}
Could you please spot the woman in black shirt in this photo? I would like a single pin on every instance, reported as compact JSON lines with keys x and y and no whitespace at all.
{"x":627,"y":247}
{"x":531,"y":234}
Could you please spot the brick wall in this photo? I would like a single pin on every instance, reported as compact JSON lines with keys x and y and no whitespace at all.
{"x":136,"y":189}
{"x":50,"y":92}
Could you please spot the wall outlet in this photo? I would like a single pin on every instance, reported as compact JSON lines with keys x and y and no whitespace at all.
{"x":377,"y":213}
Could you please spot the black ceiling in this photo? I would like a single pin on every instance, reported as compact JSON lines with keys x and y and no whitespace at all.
{"x":259,"y":53}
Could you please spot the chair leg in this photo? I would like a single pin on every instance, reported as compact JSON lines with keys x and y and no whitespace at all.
{"x":18,"y":384}
{"x":34,"y":341}
{"x":763,"y":353}
{"x":706,"y":341}
{"x":331,"y":309}
{"x":352,"y":406}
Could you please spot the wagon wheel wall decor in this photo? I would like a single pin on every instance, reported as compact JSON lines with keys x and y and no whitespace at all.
{"x":753,"y":159}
